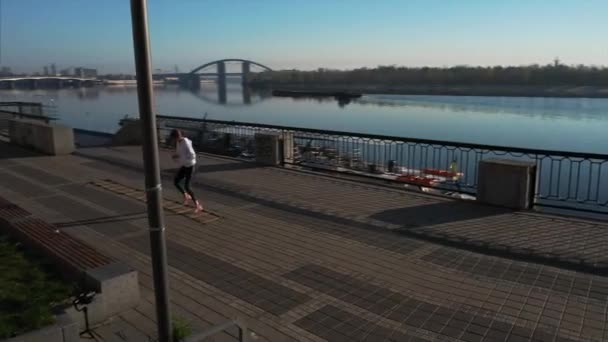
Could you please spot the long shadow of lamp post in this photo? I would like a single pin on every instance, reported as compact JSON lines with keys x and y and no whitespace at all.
{"x":145,"y":96}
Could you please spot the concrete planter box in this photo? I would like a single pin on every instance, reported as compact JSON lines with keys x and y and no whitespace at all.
{"x":506,"y":183}
{"x":47,"y":138}
{"x":273,"y":148}
{"x":268,"y":148}
{"x":116,"y":290}
{"x":63,"y":330}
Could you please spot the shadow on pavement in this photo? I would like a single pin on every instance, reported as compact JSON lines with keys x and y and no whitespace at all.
{"x":437,"y":213}
{"x":11,"y":151}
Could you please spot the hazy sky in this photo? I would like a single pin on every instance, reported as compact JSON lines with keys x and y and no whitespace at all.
{"x":306,"y":33}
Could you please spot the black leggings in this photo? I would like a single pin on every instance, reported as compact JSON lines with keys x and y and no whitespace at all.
{"x":184,"y":172}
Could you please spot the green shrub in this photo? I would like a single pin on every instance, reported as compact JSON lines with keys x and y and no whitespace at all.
{"x":181,"y":329}
{"x":28,"y":291}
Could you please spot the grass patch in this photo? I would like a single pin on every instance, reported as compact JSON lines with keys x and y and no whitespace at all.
{"x":181,"y":329}
{"x":28,"y":290}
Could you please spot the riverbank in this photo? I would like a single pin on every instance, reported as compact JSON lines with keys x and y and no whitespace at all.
{"x":512,"y":91}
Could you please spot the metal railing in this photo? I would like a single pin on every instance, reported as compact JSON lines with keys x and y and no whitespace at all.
{"x":7,"y":115}
{"x":23,"y":110}
{"x":568,"y":180}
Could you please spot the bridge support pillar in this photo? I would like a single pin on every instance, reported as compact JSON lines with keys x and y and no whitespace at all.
{"x":190,"y":81}
{"x":246,"y":94}
{"x":246,"y":69}
{"x":195,"y":81}
{"x":221,"y":81}
{"x":33,"y":84}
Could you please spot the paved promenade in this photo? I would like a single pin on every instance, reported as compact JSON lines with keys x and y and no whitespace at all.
{"x":305,"y":257}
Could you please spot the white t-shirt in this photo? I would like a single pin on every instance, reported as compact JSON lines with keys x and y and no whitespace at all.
{"x":185,"y":152}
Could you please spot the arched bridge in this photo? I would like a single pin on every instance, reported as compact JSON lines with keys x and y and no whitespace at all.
{"x":193,"y":78}
{"x":221,"y":66}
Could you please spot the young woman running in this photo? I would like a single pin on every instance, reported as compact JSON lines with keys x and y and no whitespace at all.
{"x":186,"y":157}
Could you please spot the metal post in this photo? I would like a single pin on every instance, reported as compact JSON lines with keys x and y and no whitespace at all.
{"x":141,"y":45}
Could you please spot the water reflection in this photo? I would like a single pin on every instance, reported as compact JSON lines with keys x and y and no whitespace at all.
{"x":88,"y":93}
{"x":232,"y":94}
{"x":543,"y":123}
{"x":548,"y":108}
{"x":341,"y":102}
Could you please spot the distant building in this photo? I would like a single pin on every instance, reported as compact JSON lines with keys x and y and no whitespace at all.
{"x":53,"y":70}
{"x":66,"y":72}
{"x":6,"y":71}
{"x":85,"y":72}
{"x":45,"y":71}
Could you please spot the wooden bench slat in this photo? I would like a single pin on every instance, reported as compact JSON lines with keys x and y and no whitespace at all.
{"x":11,"y":212}
{"x":47,"y":237}
{"x":4,"y":202}
{"x":42,"y":240}
{"x":63,"y":247}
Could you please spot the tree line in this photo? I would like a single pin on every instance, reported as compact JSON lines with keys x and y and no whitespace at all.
{"x":555,"y":74}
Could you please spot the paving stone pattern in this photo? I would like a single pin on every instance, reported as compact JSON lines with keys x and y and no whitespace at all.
{"x":474,"y":324}
{"x":268,"y":295}
{"x":39,"y":175}
{"x":22,"y":186}
{"x":576,"y":244}
{"x":366,"y":233}
{"x":83,"y":214}
{"x":530,"y":274}
{"x":334,"y":324}
{"x":105,"y":199}
{"x":305,"y":257}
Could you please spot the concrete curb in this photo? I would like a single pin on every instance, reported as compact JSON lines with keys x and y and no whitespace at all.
{"x":65,"y":329}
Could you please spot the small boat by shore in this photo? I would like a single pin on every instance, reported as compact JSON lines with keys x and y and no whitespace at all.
{"x":305,"y":93}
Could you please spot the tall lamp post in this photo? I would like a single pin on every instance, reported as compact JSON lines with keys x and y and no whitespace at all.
{"x":158,"y":249}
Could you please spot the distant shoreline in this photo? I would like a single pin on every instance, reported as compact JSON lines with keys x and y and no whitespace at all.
{"x":509,"y":91}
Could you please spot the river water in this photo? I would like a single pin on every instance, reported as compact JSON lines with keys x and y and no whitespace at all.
{"x":566,"y":124}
